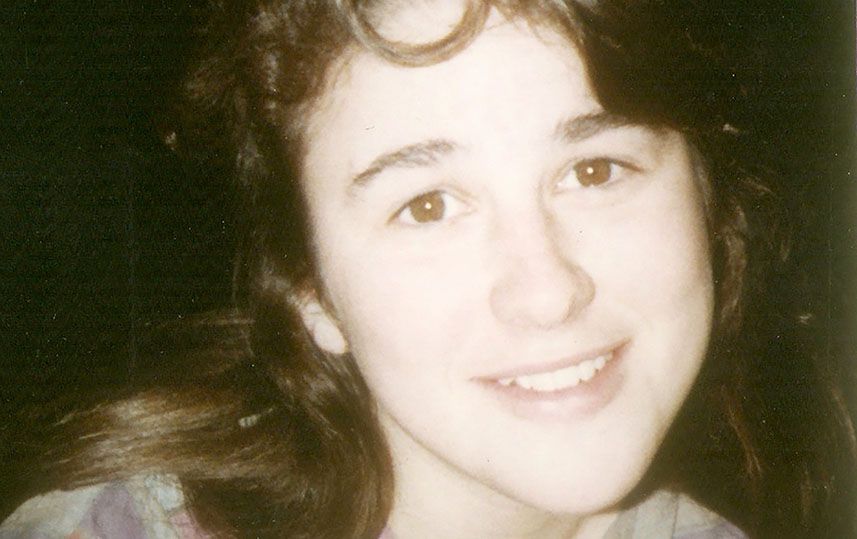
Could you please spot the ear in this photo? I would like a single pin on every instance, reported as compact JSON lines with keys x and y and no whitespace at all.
{"x":321,"y":325}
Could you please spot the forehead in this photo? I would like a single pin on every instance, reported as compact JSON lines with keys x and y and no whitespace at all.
{"x":512,"y":78}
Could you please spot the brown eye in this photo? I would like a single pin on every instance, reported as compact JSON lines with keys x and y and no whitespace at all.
{"x":426,"y":208}
{"x":593,"y":172}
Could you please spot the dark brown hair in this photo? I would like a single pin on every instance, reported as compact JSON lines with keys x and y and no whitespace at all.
{"x":271,"y":438}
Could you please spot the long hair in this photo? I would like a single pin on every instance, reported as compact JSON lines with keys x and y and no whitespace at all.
{"x":270,"y":437}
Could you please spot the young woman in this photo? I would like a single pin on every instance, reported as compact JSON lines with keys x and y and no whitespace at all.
{"x":497,"y":260}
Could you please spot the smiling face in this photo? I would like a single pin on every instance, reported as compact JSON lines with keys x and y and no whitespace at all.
{"x":522,"y":277}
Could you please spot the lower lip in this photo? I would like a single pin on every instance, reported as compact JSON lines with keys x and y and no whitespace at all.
{"x":582,"y":400}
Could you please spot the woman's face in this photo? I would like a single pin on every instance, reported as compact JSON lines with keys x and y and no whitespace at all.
{"x":523,"y":279}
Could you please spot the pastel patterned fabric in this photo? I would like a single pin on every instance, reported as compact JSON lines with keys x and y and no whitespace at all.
{"x":153,"y":508}
{"x":667,"y":515}
{"x":142,"y":508}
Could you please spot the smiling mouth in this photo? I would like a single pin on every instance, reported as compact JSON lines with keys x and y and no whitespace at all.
{"x":560,"y":379}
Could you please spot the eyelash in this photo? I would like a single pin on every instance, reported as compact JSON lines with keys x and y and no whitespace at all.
{"x":435,"y":206}
{"x":594,"y":166}
{"x":435,"y":209}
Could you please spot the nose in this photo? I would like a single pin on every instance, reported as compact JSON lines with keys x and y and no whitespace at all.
{"x":539,"y":285}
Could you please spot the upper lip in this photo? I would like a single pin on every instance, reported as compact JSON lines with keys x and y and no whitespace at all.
{"x":557,"y":364}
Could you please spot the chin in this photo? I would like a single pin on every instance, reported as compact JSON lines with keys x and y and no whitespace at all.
{"x":584,"y":499}
{"x":596,"y":483}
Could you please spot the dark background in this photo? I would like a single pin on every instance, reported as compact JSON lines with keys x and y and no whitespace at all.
{"x":105,"y":231}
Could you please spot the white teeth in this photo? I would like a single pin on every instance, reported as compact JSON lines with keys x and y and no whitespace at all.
{"x":560,"y":379}
{"x":587,"y":371}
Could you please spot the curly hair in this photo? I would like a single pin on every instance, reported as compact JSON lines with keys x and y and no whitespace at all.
{"x":272,"y":438}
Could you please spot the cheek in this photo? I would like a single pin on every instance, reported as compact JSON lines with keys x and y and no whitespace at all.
{"x":656,"y":254}
{"x":403,"y":310}
{"x":672,"y":265}
{"x":653,"y":274}
{"x":674,"y":298}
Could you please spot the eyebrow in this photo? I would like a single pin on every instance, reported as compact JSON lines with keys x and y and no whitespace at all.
{"x":588,"y":125}
{"x":416,"y":155}
{"x":429,"y":152}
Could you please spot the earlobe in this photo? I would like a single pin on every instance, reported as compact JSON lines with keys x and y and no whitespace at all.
{"x":322,"y":326}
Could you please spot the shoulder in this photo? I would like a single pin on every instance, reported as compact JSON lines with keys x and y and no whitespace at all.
{"x":150,"y":506}
{"x":670,"y":515}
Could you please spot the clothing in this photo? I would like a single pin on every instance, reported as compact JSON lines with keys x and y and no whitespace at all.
{"x":152,"y":507}
{"x":671,"y":515}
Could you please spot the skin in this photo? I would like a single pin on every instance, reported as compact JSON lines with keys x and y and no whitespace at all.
{"x":456,"y":243}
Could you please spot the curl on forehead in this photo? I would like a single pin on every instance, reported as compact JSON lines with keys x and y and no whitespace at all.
{"x":429,"y":31}
{"x":424,"y":33}
{"x":422,"y":22}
